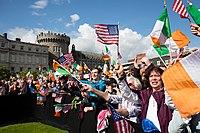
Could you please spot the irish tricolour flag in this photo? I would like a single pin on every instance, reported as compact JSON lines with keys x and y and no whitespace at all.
{"x":78,"y":67}
{"x":182,"y":83}
{"x":161,"y":30}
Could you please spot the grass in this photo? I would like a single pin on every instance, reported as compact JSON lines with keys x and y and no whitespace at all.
{"x":32,"y":127}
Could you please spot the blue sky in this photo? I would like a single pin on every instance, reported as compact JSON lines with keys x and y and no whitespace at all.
{"x":27,"y":18}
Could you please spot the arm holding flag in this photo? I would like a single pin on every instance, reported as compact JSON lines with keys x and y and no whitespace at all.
{"x":195,"y":29}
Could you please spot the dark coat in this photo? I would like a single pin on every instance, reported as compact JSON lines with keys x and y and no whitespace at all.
{"x":164,"y":112}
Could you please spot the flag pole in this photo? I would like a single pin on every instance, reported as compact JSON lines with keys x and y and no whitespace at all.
{"x":118,"y":41}
{"x":70,"y":74}
{"x":159,"y":56}
{"x":189,"y":3}
{"x":165,"y":3}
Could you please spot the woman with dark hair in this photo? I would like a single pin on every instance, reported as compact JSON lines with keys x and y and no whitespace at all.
{"x":153,"y":101}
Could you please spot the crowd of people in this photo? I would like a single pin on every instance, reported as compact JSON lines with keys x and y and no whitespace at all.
{"x":137,"y":95}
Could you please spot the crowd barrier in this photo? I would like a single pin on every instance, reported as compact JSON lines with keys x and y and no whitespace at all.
{"x":23,"y":108}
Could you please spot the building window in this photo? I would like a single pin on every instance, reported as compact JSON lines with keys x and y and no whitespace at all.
{"x":21,"y":69}
{"x":3,"y":44}
{"x":29,"y":48}
{"x":29,"y":59}
{"x":12,"y":58}
{"x":13,"y":46}
{"x":21,"y":58}
{"x":57,"y":49}
{"x":37,"y":49}
{"x":158,"y":63}
{"x":37,"y":60}
{"x":12,"y":69}
{"x":2,"y":56}
{"x":22,"y":48}
{"x":45,"y":60}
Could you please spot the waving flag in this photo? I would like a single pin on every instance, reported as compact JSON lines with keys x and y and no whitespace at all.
{"x":179,"y":8}
{"x":183,"y":84}
{"x":105,"y":68}
{"x":107,"y":51}
{"x":60,"y":70}
{"x":120,"y":124}
{"x":180,"y":39}
{"x":176,"y":42}
{"x":66,"y":59}
{"x":58,"y":108}
{"x":161,"y":51}
{"x":161,"y":30}
{"x":194,"y":12}
{"x":107,"y":34}
{"x":78,"y":67}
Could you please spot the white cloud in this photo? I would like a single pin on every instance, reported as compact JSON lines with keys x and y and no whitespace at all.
{"x":131,"y":42}
{"x":74,"y":18}
{"x":68,"y":25}
{"x":85,"y":39}
{"x":38,"y":14}
{"x":26,"y":35}
{"x":60,"y":2}
{"x":40,"y":4}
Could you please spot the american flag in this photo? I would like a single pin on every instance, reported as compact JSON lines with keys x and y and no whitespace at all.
{"x":107,"y":34}
{"x":179,"y":8}
{"x":66,"y":59}
{"x":120,"y":124}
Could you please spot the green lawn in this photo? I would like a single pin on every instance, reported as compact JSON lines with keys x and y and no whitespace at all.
{"x":32,"y":127}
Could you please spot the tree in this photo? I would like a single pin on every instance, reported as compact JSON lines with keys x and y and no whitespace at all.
{"x":4,"y":73}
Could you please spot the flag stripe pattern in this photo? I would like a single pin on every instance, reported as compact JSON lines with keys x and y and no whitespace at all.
{"x":161,"y":30}
{"x":107,"y":34}
{"x":194,"y":13}
{"x":163,"y":51}
{"x":120,"y":124}
{"x":183,"y":85}
{"x":179,"y":8}
{"x":66,"y":59}
{"x":190,"y":64}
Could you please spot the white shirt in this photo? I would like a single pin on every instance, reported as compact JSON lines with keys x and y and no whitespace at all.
{"x":152,"y":112}
{"x":127,"y":100}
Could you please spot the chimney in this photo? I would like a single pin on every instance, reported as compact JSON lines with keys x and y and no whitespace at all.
{"x":18,"y":39}
{"x":5,"y":35}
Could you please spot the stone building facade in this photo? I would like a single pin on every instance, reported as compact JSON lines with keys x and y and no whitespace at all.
{"x":58,"y":44}
{"x":19,"y":56}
